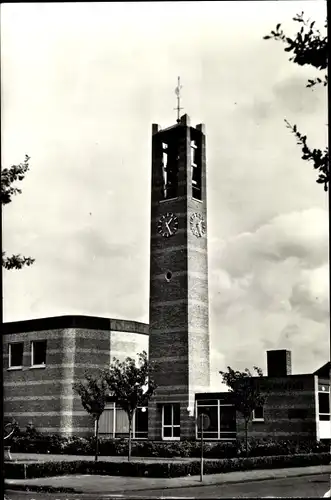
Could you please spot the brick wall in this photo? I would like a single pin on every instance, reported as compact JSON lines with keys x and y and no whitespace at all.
{"x":286,"y":394}
{"x":44,"y":396}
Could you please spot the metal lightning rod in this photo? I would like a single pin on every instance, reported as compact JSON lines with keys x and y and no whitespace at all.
{"x":177,"y":92}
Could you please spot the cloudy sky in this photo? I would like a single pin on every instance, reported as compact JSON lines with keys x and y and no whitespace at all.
{"x":81,"y":86}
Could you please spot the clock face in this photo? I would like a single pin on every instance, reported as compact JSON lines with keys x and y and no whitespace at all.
{"x":167,"y":224}
{"x":197,"y":224}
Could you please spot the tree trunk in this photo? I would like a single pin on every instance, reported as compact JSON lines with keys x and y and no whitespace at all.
{"x":246,"y":437}
{"x":96,"y":439}
{"x":130,"y":425}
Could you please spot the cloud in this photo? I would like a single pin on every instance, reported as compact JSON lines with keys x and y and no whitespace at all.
{"x":271,"y":289}
{"x":300,"y":236}
{"x":310,"y":294}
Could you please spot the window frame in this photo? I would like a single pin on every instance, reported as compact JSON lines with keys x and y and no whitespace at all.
{"x":40,"y":365}
{"x":10,"y":366}
{"x":258,"y":419}
{"x":324,"y":414}
{"x":171,"y":426}
{"x":219,"y":435}
{"x":111,"y":406}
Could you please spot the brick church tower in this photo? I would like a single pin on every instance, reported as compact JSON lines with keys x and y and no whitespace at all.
{"x":179,"y":333}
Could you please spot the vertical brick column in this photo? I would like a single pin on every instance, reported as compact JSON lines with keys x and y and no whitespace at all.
{"x":179,"y":333}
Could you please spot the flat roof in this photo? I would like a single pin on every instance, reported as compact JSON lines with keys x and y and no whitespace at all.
{"x":75,"y":321}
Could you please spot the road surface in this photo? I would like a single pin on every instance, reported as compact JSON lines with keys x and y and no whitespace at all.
{"x":304,"y":487}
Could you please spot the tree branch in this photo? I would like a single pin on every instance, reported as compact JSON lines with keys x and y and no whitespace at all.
{"x":319,"y":158}
{"x":16,"y":261}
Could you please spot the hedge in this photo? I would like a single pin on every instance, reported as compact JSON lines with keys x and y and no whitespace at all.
{"x":160,"y":469}
{"x":41,"y":443}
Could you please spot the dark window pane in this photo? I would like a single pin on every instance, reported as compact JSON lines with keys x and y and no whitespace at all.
{"x":16,"y":354}
{"x":324,"y":417}
{"x":212,"y":414}
{"x":39,"y":352}
{"x":324,"y":402}
{"x":167,"y":431}
{"x":227,"y":418}
{"x":141,"y":422}
{"x":176,"y":412}
{"x":258,"y":412}
{"x":167,"y":410}
{"x":176,"y":432}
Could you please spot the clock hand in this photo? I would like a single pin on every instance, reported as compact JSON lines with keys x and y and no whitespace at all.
{"x":167,"y":226}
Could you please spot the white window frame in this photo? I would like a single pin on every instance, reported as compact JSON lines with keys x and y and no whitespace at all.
{"x":10,"y":366}
{"x":42,"y":365}
{"x":219,"y":433}
{"x":258,"y":419}
{"x":172,"y":426}
{"x":112,"y":407}
{"x":139,"y":408}
{"x":326,"y":391}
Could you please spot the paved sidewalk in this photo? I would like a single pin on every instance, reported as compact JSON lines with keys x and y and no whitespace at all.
{"x":119,"y":484}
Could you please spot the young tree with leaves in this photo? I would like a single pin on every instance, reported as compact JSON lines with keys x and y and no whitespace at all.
{"x":246,"y":393}
{"x":308,"y":47}
{"x":8,"y":177}
{"x":94,"y":393}
{"x":130,"y":385}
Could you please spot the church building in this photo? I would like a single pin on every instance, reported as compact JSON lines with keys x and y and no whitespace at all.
{"x":43,"y":357}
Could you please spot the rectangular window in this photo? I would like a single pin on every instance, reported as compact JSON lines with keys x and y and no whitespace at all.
{"x":38,"y":353}
{"x":141,"y":423}
{"x":324,"y":405}
{"x":258,"y":414}
{"x":171,"y":421}
{"x":222,"y":419}
{"x":114,"y":422}
{"x":16,"y":355}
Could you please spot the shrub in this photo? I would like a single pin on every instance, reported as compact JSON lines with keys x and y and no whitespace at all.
{"x":33,"y":441}
{"x":159,"y":469}
{"x":77,"y":446}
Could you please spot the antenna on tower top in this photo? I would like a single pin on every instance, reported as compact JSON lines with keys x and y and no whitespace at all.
{"x":177,"y":92}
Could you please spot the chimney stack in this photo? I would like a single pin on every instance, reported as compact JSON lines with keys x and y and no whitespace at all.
{"x":279,"y":363}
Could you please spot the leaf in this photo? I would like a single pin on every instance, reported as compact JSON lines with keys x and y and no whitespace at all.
{"x":278,"y":26}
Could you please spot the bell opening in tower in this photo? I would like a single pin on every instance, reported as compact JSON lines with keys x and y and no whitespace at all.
{"x":196,"y":170}
{"x":170,"y":171}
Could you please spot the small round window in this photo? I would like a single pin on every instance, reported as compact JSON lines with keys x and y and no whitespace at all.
{"x":168,"y":275}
